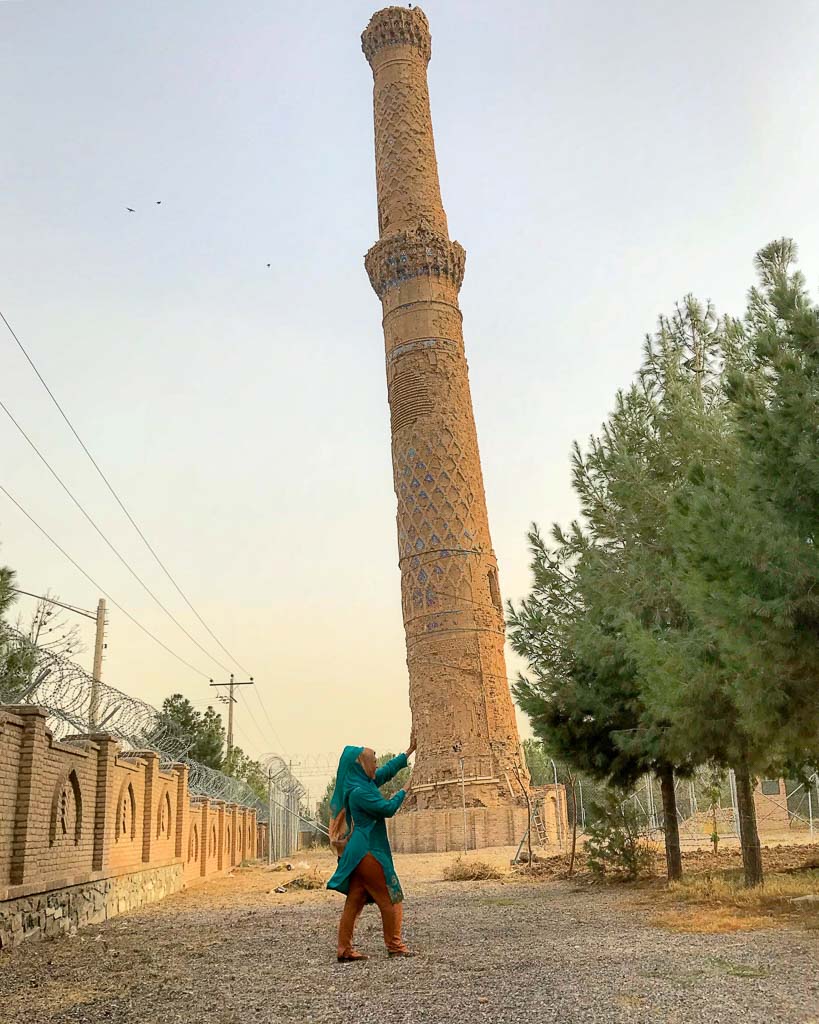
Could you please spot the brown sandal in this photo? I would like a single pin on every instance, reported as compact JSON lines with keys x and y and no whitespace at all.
{"x":350,"y":958}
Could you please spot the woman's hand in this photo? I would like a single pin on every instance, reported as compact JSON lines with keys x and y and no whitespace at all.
{"x":412,"y":744}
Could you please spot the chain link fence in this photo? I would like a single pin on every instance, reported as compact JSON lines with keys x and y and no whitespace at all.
{"x":706,"y":804}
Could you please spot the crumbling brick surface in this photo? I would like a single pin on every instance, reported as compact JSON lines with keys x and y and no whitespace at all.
{"x":453,"y":614}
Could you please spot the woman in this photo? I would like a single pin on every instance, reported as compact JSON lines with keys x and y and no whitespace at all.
{"x":358,"y":834}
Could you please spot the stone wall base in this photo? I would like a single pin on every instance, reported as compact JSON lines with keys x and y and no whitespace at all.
{"x":63,"y":911}
{"x":438,"y":831}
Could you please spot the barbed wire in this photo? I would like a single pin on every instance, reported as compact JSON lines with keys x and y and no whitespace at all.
{"x":77,"y":704}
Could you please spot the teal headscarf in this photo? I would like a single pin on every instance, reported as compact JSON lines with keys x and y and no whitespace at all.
{"x":348,"y":775}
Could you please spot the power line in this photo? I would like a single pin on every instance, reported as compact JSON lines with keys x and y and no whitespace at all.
{"x":270,"y":723}
{"x":94,"y":583}
{"x":262,"y":737}
{"x":119,"y":501}
{"x":265,"y":739}
{"x":90,"y":519}
{"x":135,"y":525}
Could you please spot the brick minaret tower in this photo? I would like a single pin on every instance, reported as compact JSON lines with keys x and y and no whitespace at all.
{"x":453,"y":616}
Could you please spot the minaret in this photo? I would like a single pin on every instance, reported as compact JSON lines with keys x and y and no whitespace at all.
{"x":453,"y":616}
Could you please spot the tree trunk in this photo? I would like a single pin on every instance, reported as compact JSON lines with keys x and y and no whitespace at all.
{"x":748,"y":834}
{"x":574,"y":822}
{"x":673,"y":854}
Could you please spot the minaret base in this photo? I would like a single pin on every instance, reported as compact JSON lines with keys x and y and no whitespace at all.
{"x":438,"y":831}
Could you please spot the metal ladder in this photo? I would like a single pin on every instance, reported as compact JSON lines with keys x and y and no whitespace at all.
{"x":540,"y":828}
{"x":540,"y":832}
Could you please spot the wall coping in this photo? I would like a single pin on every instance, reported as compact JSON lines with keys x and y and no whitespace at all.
{"x":9,"y":718}
{"x":22,"y":711}
{"x":69,"y":748}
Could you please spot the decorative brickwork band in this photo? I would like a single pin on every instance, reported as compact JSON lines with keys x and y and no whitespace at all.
{"x":397,"y":26}
{"x":414,"y":254}
{"x":409,"y":193}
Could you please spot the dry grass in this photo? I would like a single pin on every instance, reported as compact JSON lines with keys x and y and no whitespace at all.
{"x":312,"y":879}
{"x":551,"y":868}
{"x":463,"y":870}
{"x":727,"y":887}
{"x":719,"y":902}
{"x":713,"y":921}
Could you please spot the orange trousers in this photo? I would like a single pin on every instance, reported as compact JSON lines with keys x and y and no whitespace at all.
{"x":368,"y":881}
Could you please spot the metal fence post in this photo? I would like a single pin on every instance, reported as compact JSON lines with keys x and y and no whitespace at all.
{"x":270,"y":816}
{"x":732,"y":783}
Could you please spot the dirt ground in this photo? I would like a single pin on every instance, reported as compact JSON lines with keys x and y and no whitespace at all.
{"x":508,"y":950}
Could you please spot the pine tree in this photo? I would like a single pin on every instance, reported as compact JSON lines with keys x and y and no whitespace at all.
{"x":750,"y":534}
{"x":582,"y":693}
{"x":633,"y":681}
{"x":202,"y":734}
{"x":746,"y":525}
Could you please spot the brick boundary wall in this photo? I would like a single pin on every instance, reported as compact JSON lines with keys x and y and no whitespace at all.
{"x":441,"y":830}
{"x":87,"y":833}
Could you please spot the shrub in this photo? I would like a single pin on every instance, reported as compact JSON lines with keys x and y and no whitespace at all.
{"x":616,"y":845}
{"x":470,"y":871}
{"x":311,"y":879}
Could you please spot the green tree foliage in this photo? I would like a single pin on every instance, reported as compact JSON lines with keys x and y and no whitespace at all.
{"x":240,"y":766}
{"x":616,"y":845}
{"x":644,"y":626}
{"x":203,"y":733}
{"x":16,"y":660}
{"x":538,"y":763}
{"x":605,"y":591}
{"x":748,"y":525}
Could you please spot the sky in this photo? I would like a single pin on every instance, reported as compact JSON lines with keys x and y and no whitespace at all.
{"x":598,"y":161}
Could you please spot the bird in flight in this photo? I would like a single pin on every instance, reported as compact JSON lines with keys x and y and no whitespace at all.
{"x":128,"y":208}
{"x":268,"y":264}
{"x":159,"y":202}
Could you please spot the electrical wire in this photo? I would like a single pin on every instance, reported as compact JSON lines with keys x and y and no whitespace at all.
{"x":270,"y":724}
{"x":265,"y":739}
{"x":243,"y":704}
{"x":136,"y":526}
{"x":94,"y":583}
{"x":118,"y":500}
{"x":93,"y":523}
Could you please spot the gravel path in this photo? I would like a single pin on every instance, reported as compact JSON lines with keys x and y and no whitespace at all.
{"x":495,"y":951}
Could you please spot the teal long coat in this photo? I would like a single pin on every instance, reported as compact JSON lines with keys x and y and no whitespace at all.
{"x":368,"y":811}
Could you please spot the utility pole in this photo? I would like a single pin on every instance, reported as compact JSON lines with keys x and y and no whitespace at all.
{"x":99,"y":644}
{"x":96,"y":675}
{"x":230,"y":700}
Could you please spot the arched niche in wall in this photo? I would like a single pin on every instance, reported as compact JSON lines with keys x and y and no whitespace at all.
{"x":163,"y":816}
{"x":66,"y":811}
{"x":126,"y":813}
{"x":213,"y":843}
{"x":193,"y":843}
